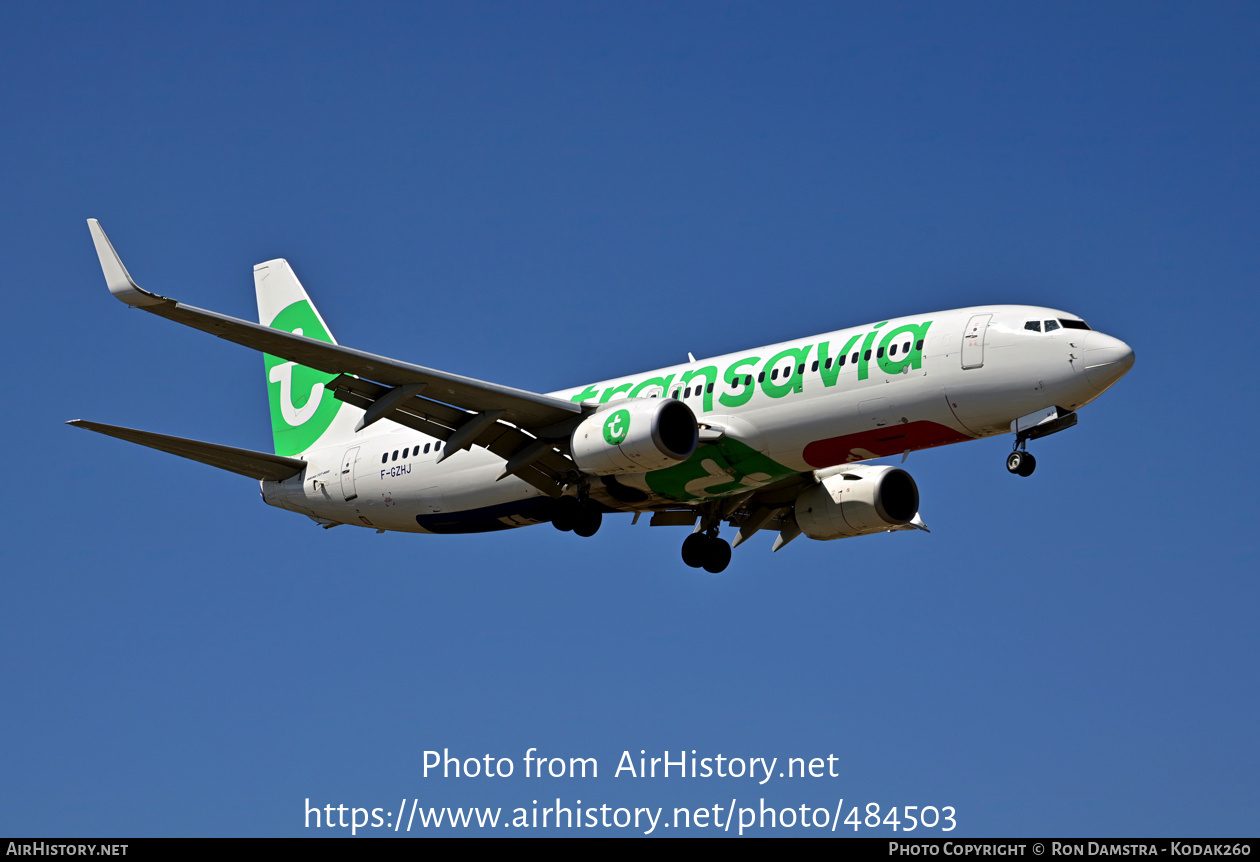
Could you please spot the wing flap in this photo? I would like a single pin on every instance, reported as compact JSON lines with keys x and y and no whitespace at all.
{"x":440,"y":421}
{"x":246,"y":462}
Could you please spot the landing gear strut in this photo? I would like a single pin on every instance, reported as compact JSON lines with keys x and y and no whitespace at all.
{"x":1051,"y":420}
{"x":705,"y":550}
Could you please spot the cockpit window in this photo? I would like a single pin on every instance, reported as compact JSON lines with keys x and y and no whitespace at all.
{"x":1073,"y":324}
{"x":1052,"y":325}
{"x":1034,"y":325}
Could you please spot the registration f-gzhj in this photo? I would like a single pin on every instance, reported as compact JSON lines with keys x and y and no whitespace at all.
{"x":771,"y":438}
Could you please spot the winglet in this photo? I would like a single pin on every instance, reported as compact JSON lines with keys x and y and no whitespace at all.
{"x":119,"y":280}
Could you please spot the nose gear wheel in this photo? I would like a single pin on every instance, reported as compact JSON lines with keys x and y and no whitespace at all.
{"x":1021,"y":463}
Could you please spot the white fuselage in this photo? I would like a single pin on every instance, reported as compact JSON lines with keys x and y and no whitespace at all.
{"x":784,"y":408}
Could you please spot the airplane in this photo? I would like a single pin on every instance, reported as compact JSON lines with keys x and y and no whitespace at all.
{"x":771,"y":438}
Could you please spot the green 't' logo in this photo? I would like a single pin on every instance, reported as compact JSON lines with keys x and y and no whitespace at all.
{"x":301,"y":409}
{"x":616,"y":427}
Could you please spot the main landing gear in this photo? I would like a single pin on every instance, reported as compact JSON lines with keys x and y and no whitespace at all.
{"x":573,"y":514}
{"x":706,"y":551}
{"x":1021,"y":462}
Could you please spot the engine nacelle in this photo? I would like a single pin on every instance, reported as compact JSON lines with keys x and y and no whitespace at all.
{"x":635,"y":435}
{"x":856,"y":500}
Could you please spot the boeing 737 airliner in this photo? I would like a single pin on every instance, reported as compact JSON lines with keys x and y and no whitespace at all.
{"x":771,"y":438}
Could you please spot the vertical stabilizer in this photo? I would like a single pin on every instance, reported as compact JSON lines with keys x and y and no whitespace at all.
{"x":304,"y":415}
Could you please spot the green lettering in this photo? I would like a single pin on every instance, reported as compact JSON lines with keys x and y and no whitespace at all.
{"x":914,"y":358}
{"x":663,"y":382}
{"x":613,"y":390}
{"x":588,"y":392}
{"x":739,"y":398}
{"x":709,"y":373}
{"x":863,"y":361}
{"x":794,"y":381}
{"x":829,"y":375}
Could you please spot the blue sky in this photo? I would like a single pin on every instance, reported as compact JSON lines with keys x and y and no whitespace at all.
{"x":549,"y":194}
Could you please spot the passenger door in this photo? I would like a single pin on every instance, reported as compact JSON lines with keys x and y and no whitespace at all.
{"x":973,"y":341}
{"x":347,"y":474}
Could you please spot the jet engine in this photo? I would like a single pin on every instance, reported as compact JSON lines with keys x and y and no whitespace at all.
{"x":854,"y":500}
{"x":635,"y":435}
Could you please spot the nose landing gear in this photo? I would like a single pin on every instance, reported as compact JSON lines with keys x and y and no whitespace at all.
{"x":1021,"y":463}
{"x":1051,"y":420}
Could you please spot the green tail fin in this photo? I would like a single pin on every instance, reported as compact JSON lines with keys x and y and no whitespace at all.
{"x":303,"y":412}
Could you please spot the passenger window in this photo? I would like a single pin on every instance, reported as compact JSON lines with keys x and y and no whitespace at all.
{"x":830,"y":360}
{"x":774,"y":375}
{"x":1033,"y":325}
{"x":405,"y":451}
{"x":385,"y":458}
{"x":892,"y":351}
{"x":842,"y":359}
{"x":748,"y":380}
{"x":855,"y":356}
{"x":687,"y":392}
{"x":814,"y":367}
{"x":761,"y":378}
{"x":394,"y":457}
{"x":709,"y":388}
{"x":426,"y":448}
{"x":437,"y":445}
{"x":879,"y":354}
{"x":1051,"y":325}
{"x":867,"y":357}
{"x":905,"y":348}
{"x":800,"y":369}
{"x":919,"y":344}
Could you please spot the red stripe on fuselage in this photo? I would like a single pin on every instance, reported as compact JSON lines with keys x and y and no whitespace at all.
{"x":880,"y":442}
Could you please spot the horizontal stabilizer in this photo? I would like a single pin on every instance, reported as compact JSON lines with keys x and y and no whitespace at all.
{"x":246,"y":462}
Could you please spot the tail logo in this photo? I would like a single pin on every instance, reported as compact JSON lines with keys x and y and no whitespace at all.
{"x":296,"y":427}
{"x":283,"y":374}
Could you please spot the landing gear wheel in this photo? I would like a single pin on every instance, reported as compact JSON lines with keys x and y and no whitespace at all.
{"x":567,"y":512}
{"x":1021,"y":463}
{"x":587,"y":523}
{"x":1030,"y":464}
{"x":717,"y":555}
{"x":694,"y":550}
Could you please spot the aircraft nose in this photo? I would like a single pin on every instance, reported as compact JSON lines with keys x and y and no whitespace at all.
{"x":1107,"y":359}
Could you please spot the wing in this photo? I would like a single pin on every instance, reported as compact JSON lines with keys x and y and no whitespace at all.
{"x":526,"y":409}
{"x":525,"y":428}
{"x":246,"y":462}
